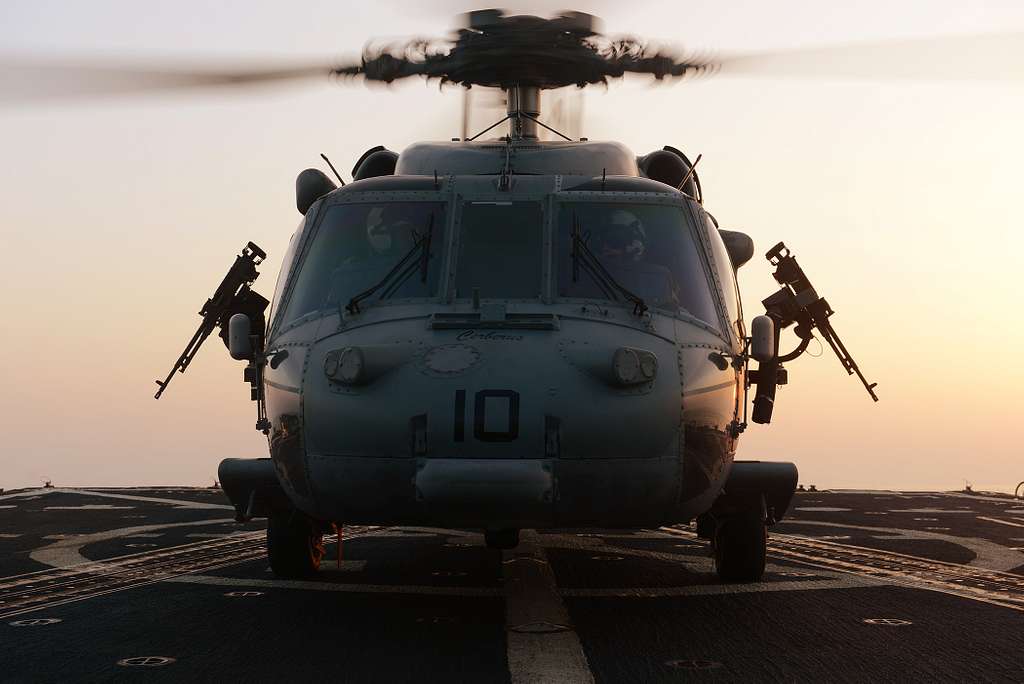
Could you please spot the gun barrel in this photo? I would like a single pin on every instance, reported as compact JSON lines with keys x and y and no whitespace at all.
{"x":204,"y":330}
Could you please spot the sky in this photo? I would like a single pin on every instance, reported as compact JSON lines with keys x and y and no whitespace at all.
{"x":900,"y":196}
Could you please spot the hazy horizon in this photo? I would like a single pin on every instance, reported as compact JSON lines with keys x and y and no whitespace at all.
{"x":900,"y":197}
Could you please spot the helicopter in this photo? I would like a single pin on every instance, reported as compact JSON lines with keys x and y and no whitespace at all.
{"x":510,"y":333}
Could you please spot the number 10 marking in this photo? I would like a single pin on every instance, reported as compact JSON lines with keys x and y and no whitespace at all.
{"x":480,"y":430}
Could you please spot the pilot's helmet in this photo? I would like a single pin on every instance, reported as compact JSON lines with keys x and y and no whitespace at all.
{"x":624,"y":236}
{"x":390,"y":231}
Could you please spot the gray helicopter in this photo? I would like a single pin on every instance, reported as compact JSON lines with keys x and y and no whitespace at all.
{"x":511,"y":333}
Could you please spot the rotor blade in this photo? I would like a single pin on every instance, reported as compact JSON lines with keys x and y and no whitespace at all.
{"x":35,"y":79}
{"x":990,"y":58}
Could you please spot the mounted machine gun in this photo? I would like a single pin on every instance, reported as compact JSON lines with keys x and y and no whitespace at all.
{"x":232,"y":296}
{"x":795,"y":302}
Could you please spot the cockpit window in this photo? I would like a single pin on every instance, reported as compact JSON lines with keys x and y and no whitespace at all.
{"x":500,"y":250}
{"x":648,"y":249}
{"x":727,"y":276}
{"x":286,"y":269}
{"x":359,"y":244}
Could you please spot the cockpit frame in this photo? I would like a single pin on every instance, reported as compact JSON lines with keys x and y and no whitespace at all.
{"x":551,"y":200}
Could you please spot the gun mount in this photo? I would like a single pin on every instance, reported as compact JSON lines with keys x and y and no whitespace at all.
{"x":232,"y":296}
{"x":795,"y":302}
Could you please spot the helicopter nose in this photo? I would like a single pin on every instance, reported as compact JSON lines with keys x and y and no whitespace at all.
{"x":491,"y":395}
{"x":463,"y":425}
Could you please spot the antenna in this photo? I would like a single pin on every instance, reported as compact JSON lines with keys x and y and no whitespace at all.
{"x":332,"y":168}
{"x":693,"y":167}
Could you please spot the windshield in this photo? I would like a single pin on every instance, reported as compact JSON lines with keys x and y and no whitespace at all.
{"x":648,"y":249}
{"x":500,"y":250}
{"x":357,"y":245}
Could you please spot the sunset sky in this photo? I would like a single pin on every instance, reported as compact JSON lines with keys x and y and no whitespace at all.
{"x":902,"y":199}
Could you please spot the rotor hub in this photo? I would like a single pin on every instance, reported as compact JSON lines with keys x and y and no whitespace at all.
{"x":502,"y":51}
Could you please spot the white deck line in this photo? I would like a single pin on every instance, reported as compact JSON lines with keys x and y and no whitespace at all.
{"x":1001,"y":522}
{"x":179,"y":503}
{"x":532,"y":600}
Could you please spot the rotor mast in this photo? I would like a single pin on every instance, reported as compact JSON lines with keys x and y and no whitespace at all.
{"x":523,"y":108}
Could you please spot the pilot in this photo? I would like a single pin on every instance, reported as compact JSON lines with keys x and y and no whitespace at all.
{"x":389,"y":235}
{"x":621,"y":246}
{"x":392,"y":233}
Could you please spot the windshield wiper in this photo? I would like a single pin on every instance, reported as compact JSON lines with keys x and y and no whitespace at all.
{"x":401,"y":271}
{"x":583,"y":257}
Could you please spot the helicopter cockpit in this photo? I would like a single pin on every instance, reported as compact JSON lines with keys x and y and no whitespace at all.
{"x":356,"y":245}
{"x":461,"y":243}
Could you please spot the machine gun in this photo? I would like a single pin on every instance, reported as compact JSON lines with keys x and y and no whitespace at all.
{"x":796,"y":302}
{"x":231,"y":297}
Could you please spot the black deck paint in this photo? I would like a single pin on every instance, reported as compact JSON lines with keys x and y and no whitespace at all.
{"x":812,"y":636}
{"x":808,"y":634}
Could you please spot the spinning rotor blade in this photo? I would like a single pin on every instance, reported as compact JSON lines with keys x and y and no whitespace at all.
{"x":495,"y":50}
{"x":992,"y":57}
{"x":27,"y":80}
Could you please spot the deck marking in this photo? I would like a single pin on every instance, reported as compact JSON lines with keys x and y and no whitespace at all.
{"x":930,"y":510}
{"x":889,"y":622}
{"x":35,"y":622}
{"x":60,"y":587}
{"x":839,"y":582}
{"x":898,"y":568}
{"x":66,"y":552}
{"x":89,"y":507}
{"x":1001,"y":522}
{"x":145,"y":661}
{"x":313,"y":585}
{"x":47,"y":588}
{"x":532,"y":598}
{"x":178,"y":503}
{"x":988,"y":555}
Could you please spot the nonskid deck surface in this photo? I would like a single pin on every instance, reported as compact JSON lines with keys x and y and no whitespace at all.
{"x":861,"y":586}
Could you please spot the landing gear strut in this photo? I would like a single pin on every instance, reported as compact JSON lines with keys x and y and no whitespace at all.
{"x":295,"y":545}
{"x":502,"y":539}
{"x":740,"y":546}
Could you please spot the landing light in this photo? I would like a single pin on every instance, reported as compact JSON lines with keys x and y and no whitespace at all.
{"x":633,"y":366}
{"x":345,"y":365}
{"x":648,"y":365}
{"x":350,"y":365}
{"x":626,"y":366}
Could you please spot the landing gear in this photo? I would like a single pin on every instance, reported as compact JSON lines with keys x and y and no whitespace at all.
{"x":502,"y":539}
{"x":295,"y":545}
{"x":740,"y":546}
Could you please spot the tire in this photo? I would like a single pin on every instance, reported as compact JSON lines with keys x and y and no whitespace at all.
{"x":502,"y":539}
{"x":740,"y":547}
{"x":295,"y":547}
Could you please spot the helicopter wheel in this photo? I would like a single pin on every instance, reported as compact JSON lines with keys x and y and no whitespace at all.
{"x":295,"y":545}
{"x":740,"y":547}
{"x":502,"y":539}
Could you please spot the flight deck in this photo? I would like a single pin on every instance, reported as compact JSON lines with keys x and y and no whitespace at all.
{"x":162,"y":585}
